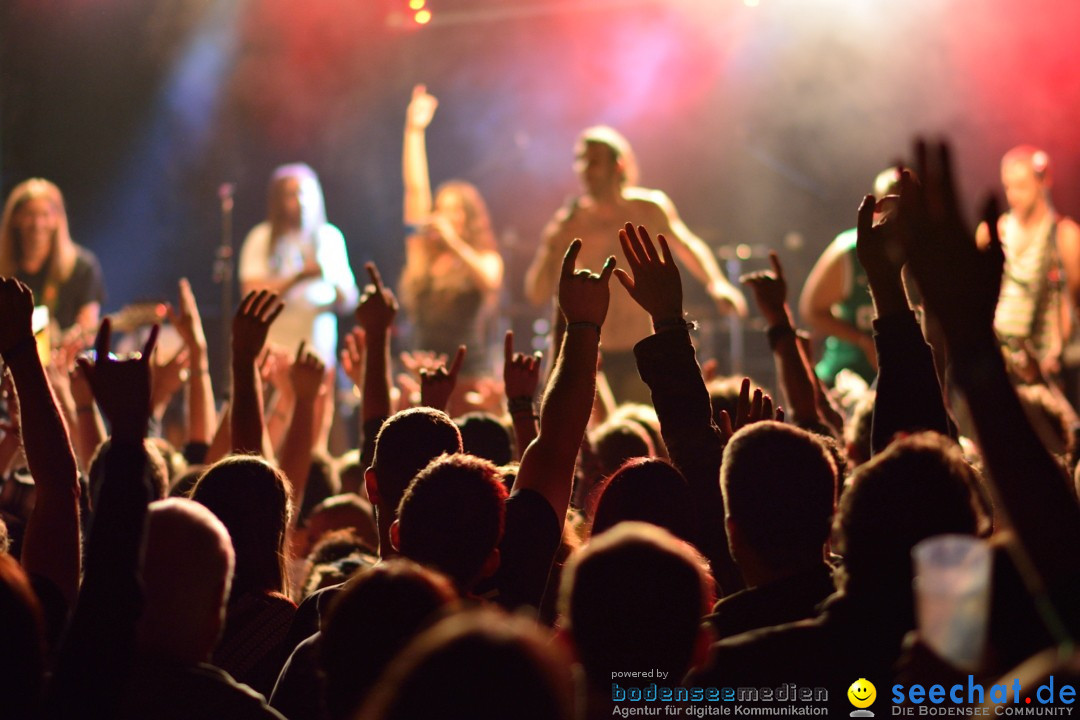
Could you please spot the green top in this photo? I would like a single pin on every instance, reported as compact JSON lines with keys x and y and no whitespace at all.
{"x":857,"y":309}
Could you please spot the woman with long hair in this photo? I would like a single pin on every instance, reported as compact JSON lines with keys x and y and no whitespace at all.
{"x":252,"y":499}
{"x":36,"y":247}
{"x":297,"y":254}
{"x":453,"y":270}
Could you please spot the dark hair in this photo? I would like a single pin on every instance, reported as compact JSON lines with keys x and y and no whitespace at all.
{"x":724,"y":394}
{"x":251,"y":497}
{"x":634,"y":597}
{"x":616,"y":442}
{"x":370,"y":621}
{"x":406,"y":443}
{"x":485,"y":436}
{"x":477,"y":665}
{"x":779,"y":487}
{"x":918,"y":487}
{"x":646,"y":418}
{"x":859,"y":426}
{"x":650,"y":490}
{"x":478,"y":233}
{"x":322,"y":482}
{"x":452,"y":516}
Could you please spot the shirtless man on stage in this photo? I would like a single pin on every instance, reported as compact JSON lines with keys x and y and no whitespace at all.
{"x":1042,"y":260}
{"x":605,"y":165}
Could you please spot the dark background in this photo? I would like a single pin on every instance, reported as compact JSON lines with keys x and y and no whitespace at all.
{"x":764,"y":123}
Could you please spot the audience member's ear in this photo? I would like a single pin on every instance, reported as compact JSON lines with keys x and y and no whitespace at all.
{"x":395,"y":535}
{"x":372,"y":486}
{"x":706,"y":636}
{"x":491,"y":564}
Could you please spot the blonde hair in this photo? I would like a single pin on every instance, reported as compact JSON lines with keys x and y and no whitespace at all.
{"x":62,"y":254}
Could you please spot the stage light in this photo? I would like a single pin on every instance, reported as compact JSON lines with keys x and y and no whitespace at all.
{"x":416,"y":4}
{"x":751,"y":3}
{"x":422,"y":17}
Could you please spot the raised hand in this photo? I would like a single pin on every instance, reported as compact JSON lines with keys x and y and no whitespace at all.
{"x":419,"y":360}
{"x":16,"y":320}
{"x":307,"y":374}
{"x":166,"y":379}
{"x":437,"y":385}
{"x":748,"y":411}
{"x":421,"y":108}
{"x":959,"y":282}
{"x":252,"y":323}
{"x":121,"y":386}
{"x":378,"y":307}
{"x":352,"y":357}
{"x":881,"y":253}
{"x":770,"y":292}
{"x":655,"y":284}
{"x":584,"y":295}
{"x":521,"y":372}
{"x":187,"y":320}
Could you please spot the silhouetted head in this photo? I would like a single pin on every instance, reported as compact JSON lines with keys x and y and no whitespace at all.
{"x":779,"y":487}
{"x":451,"y":518}
{"x":253,"y":499}
{"x":635,"y":597}
{"x":477,"y":665}
{"x":370,"y":621}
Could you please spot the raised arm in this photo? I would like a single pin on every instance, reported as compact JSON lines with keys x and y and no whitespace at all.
{"x":909,"y":397}
{"x":668,"y":364}
{"x":51,"y":544}
{"x":306,"y":374}
{"x":695,"y":254}
{"x":99,"y":648}
{"x":201,"y":416}
{"x":547,"y":465}
{"x":521,"y":376}
{"x":414,"y":162}
{"x":940,"y":249}
{"x":769,"y":289}
{"x":375,"y":314}
{"x":250,"y":325}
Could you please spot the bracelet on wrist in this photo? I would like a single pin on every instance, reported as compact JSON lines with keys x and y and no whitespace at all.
{"x":778,"y":333}
{"x":583,"y":323}
{"x":521,"y":404}
{"x":672,"y":323}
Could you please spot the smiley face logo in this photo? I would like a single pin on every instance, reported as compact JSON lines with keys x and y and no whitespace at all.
{"x":862,"y":693}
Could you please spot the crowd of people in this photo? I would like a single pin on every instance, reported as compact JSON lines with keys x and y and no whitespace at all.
{"x":561,"y":556}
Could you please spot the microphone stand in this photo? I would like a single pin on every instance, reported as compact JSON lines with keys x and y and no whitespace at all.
{"x":224,"y":274}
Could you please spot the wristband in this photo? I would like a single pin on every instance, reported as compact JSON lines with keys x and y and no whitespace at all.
{"x":673,"y":323}
{"x":584,"y":323}
{"x":28,"y":342}
{"x":519,"y":405}
{"x":779,"y":333}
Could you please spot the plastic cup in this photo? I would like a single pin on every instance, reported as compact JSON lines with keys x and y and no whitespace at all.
{"x":952,"y":596}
